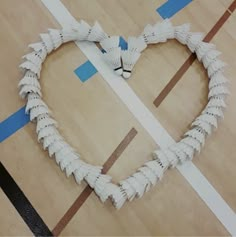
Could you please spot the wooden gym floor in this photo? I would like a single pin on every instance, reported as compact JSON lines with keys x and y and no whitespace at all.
{"x":170,"y":83}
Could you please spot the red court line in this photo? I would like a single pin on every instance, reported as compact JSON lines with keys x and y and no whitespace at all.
{"x":87,"y":191}
{"x":178,"y":75}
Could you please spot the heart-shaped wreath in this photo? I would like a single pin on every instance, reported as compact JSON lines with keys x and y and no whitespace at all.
{"x":122,"y":62}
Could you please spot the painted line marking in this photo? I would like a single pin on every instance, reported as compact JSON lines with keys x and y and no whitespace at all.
{"x":190,"y":172}
{"x":22,"y":204}
{"x":171,"y":7}
{"x":13,"y":123}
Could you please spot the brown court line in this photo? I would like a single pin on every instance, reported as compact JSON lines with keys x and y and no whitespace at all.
{"x":178,"y":75}
{"x":87,"y":191}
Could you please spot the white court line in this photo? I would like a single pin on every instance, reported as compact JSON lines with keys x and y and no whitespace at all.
{"x":190,"y":172}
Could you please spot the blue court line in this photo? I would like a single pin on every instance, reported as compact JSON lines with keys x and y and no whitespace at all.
{"x":87,"y":70}
{"x":13,"y":123}
{"x":171,"y":7}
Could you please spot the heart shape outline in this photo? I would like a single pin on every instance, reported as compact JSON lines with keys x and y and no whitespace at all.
{"x":152,"y":171}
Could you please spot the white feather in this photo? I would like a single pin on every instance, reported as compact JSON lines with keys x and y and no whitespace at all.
{"x":63,"y":153}
{"x":197,"y":134}
{"x":148,"y":173}
{"x":129,"y":189}
{"x":42,"y":123}
{"x":39,"y":110}
{"x":97,"y":34}
{"x":29,"y":89}
{"x":187,"y":150}
{"x":48,"y":140}
{"x":68,"y":34}
{"x":28,"y":65}
{"x":48,"y":131}
{"x":195,"y":144}
{"x":218,"y":91}
{"x":129,"y":59}
{"x":217,"y":80}
{"x":148,"y":35}
{"x":92,"y":176}
{"x":113,"y":58}
{"x":34,"y":104}
{"x":193,"y":40}
{"x":71,"y":167}
{"x":156,"y":168}
{"x":217,"y":102}
{"x":215,"y":111}
{"x":182,"y":156}
{"x":110,"y":43}
{"x":56,"y":146}
{"x":165,"y":29}
{"x":82,"y":29}
{"x":37,"y":46}
{"x":215,"y":66}
{"x":101,"y":183}
{"x":203,"y":125}
{"x":118,"y":197}
{"x":56,"y":37}
{"x":107,"y":191}
{"x":208,"y":119}
{"x":136,"y":185}
{"x":161,"y":157}
{"x":143,"y":181}
{"x":47,"y":41}
{"x":136,"y":44}
{"x":68,"y":160}
{"x":36,"y":57}
{"x":209,"y":57}
{"x":203,"y":48}
{"x":30,"y":79}
{"x":181,"y":33}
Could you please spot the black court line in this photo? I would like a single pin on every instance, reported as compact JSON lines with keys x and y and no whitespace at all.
{"x":22,"y":204}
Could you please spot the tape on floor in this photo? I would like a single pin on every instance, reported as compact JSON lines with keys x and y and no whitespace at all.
{"x":22,"y":204}
{"x":13,"y":123}
{"x":171,"y":7}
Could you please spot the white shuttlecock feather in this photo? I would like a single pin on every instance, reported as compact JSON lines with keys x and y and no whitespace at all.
{"x":56,"y":37}
{"x":215,"y":67}
{"x":197,"y":134}
{"x":217,"y":91}
{"x":47,"y":41}
{"x":29,"y":79}
{"x":194,"y":143}
{"x":28,"y":65}
{"x":182,"y":156}
{"x":136,"y":44}
{"x":28,"y":89}
{"x":47,"y":131}
{"x":203,"y":48}
{"x":97,"y":34}
{"x":181,"y":33}
{"x":34,"y":104}
{"x":129,"y":59}
{"x":110,"y":43}
{"x":210,"y":56}
{"x":187,"y":149}
{"x":149,"y":174}
{"x":207,"y":127}
{"x":39,"y":110}
{"x":113,"y":58}
{"x":42,"y":123}
{"x":217,"y":80}
{"x":217,"y":101}
{"x":193,"y":40}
